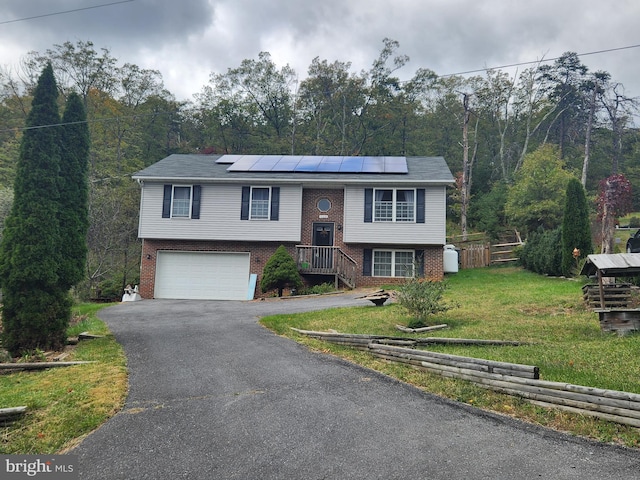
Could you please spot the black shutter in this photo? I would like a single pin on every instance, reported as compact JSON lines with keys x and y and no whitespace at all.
{"x":275,"y":203}
{"x":420,"y":207}
{"x":419,"y":261}
{"x":166,"y":201}
{"x":367,"y":262}
{"x":195,"y":201}
{"x":244,"y":209}
{"x":368,"y":205}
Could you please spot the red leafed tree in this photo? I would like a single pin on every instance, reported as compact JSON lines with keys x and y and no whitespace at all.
{"x":614,"y":200}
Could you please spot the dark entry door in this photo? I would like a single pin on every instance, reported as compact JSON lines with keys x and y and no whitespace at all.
{"x":323,"y":237}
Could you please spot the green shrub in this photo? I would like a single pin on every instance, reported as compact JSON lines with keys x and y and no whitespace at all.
{"x":576,"y":228}
{"x":542,"y":252}
{"x":280,"y":271}
{"x":318,"y":289}
{"x":634,"y":222}
{"x":421,"y":298}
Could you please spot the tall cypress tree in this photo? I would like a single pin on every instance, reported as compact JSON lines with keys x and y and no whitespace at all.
{"x":36,"y":308}
{"x":576,"y":228}
{"x":74,"y":191}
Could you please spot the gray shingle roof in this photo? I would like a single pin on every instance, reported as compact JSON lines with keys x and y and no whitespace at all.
{"x":203,"y":168}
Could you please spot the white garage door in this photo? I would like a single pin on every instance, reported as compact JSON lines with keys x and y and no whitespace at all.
{"x":202,"y":275}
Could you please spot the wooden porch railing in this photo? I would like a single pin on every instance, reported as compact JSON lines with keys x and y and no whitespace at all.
{"x":326,"y":261}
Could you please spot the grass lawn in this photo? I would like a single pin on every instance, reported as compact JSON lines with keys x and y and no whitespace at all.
{"x":64,"y":404}
{"x":505,"y":303}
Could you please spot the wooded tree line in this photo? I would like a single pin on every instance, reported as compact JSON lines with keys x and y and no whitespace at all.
{"x":559,"y":117}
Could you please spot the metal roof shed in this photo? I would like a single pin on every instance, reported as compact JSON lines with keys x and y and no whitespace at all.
{"x":611,"y":265}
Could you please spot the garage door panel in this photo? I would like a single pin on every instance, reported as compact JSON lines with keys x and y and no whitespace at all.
{"x":202,"y":275}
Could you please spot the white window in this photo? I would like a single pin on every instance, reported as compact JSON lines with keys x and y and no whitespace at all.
{"x":394,"y":205}
{"x":181,"y":202}
{"x":393,"y":263}
{"x":260,"y":201}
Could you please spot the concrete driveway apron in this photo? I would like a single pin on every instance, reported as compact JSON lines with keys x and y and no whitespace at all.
{"x":213,"y":395}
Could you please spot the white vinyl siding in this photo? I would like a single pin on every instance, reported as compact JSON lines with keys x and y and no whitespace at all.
{"x":220,"y":209}
{"x":202,"y":275}
{"x":432,"y":232}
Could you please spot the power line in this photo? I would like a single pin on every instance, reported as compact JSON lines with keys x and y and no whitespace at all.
{"x":65,"y":12}
{"x":608,"y":50}
{"x":118,"y":118}
{"x":88,"y":121}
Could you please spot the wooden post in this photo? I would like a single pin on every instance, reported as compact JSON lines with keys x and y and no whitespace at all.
{"x":601,"y":287}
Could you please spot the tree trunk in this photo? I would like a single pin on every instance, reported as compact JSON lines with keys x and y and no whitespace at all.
{"x":465,"y":167}
{"x":587,"y":141}
{"x":608,"y":221}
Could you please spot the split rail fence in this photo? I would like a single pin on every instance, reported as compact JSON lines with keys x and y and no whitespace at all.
{"x":477,"y":252}
{"x":512,"y":379}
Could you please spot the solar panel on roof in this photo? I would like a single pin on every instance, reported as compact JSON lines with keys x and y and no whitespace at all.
{"x":314,"y":164}
{"x":228,"y":158}
{"x":308,"y":164}
{"x":265,"y":163}
{"x":244,"y":163}
{"x":351,"y":165}
{"x":373,"y":165}
{"x":329,"y":164}
{"x":287,"y":164}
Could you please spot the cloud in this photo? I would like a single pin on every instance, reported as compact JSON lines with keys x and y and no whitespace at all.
{"x":187,"y":40}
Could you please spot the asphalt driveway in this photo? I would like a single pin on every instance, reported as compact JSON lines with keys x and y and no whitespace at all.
{"x":213,"y":395}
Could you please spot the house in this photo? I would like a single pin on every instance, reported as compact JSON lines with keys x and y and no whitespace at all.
{"x":209,"y":223}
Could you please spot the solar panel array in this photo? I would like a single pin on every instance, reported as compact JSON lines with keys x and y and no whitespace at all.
{"x":314,"y":164}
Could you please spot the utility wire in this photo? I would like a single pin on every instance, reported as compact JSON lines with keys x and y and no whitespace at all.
{"x":65,"y":12}
{"x":544,"y":60}
{"x":111,"y":119}
{"x":93,"y":120}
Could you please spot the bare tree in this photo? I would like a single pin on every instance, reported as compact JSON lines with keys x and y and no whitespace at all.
{"x":619,"y":109}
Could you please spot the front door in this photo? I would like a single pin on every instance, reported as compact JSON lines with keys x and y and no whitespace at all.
{"x":323,"y":237}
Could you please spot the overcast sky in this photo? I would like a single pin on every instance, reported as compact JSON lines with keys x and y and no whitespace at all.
{"x":186,"y":40}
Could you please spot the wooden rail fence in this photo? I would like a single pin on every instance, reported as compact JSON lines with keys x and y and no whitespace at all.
{"x":509,"y":378}
{"x":477,"y":251}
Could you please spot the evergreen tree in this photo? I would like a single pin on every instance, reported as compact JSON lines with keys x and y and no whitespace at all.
{"x":36,"y":308}
{"x":74,"y":191}
{"x":280,"y":271}
{"x":576,"y":229}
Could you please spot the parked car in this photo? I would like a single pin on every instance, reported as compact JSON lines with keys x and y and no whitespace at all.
{"x":633,"y":244}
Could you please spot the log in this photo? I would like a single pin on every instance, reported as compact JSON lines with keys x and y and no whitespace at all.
{"x":88,"y":336}
{"x":421,"y":329}
{"x":604,"y":416}
{"x":586,"y":406}
{"x":62,"y":356}
{"x":39,"y":365}
{"x":426,"y":340}
{"x":466,"y":341}
{"x":514,"y":386}
{"x":630,"y":400}
{"x":313,"y":333}
{"x":394,"y":341}
{"x":393,"y":358}
{"x":457,"y":358}
{"x":444,"y":365}
{"x":12,"y":411}
{"x":564,"y":397}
